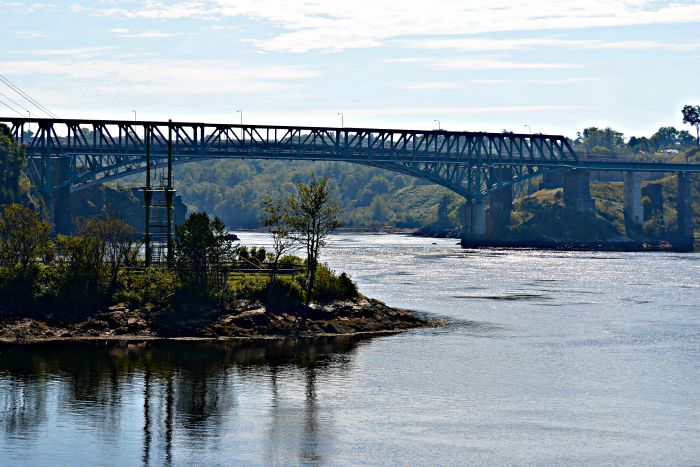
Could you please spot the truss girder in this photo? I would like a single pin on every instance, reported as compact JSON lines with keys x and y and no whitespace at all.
{"x":100,"y":150}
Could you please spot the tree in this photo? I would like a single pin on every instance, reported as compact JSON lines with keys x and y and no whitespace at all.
{"x":116,"y":241}
{"x":202,"y":249}
{"x":275,"y":219}
{"x":607,"y":138}
{"x":665,"y":137}
{"x":24,"y":237}
{"x":691,"y":116}
{"x":13,"y":182}
{"x":82,"y":265}
{"x":312,"y":216}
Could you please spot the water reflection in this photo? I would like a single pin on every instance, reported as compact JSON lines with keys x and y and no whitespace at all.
{"x":176,"y":395}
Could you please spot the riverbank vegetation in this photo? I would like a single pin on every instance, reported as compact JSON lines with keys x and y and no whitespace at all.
{"x":101,"y":262}
{"x":95,"y":282}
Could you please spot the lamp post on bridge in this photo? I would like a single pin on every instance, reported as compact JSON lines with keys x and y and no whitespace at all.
{"x":342,"y":119}
{"x":240,"y":112}
{"x":134,"y":111}
{"x":438,"y":122}
{"x":528,"y":128}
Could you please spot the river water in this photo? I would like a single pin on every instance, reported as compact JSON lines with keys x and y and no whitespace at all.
{"x":549,"y":358}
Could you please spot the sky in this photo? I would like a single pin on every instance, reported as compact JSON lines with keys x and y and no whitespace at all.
{"x":553,"y":67}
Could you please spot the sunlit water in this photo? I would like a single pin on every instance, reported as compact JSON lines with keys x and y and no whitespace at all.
{"x":550,"y":358}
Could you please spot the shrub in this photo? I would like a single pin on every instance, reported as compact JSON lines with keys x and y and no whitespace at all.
{"x":331,"y":287}
{"x":155,"y":286}
{"x":287,"y":291}
{"x":251,"y":287}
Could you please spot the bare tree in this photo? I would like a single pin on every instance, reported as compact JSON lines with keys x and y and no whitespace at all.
{"x":312,"y":216}
{"x":275,"y":219}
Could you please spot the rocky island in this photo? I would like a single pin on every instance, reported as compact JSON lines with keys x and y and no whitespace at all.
{"x":249,"y":319}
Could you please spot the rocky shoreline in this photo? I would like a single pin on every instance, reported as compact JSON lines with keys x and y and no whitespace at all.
{"x":248,"y":320}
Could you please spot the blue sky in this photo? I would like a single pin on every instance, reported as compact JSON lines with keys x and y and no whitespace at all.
{"x":557,"y":66}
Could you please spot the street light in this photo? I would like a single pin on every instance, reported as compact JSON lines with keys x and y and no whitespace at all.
{"x":134,"y":114}
{"x":342,"y":119}
{"x":240,"y":112}
{"x":528,"y":128}
{"x":438,"y":124}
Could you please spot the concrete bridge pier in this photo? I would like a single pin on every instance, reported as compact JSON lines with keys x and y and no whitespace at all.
{"x":473,"y":223}
{"x":577,"y":190}
{"x":633,"y":209}
{"x":655,"y":206}
{"x":500,"y":206}
{"x":684,"y":205}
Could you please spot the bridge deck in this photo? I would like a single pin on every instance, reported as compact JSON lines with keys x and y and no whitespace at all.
{"x":469,"y":163}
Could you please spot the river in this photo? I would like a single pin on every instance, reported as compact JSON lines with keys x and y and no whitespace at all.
{"x":549,"y":358}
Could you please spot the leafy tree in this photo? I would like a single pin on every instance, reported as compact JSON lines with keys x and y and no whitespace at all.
{"x":13,"y":183}
{"x":116,"y":241}
{"x":593,"y":137}
{"x":202,"y":250}
{"x":82,"y":261}
{"x":24,"y":237}
{"x":691,"y":116}
{"x":312,"y":216}
{"x":669,"y":137}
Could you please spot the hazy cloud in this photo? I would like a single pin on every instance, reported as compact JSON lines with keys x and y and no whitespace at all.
{"x":334,"y":25}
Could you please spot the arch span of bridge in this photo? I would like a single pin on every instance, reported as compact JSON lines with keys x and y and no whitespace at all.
{"x":95,"y":151}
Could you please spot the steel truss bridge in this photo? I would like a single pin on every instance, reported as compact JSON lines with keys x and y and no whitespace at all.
{"x":76,"y":154}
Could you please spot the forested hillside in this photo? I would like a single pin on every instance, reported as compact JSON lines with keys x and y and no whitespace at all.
{"x":14,"y":184}
{"x":370,"y":197}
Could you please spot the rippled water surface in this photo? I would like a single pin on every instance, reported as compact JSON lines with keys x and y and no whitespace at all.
{"x":550,"y":358}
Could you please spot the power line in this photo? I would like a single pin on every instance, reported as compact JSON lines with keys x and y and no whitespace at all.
{"x":27,"y":97}
{"x":12,"y":108}
{"x":14,"y":102}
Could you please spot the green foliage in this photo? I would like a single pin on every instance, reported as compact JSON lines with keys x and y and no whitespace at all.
{"x":253,"y":257}
{"x":116,"y":241}
{"x":24,"y":237}
{"x":235,"y":191}
{"x":13,"y":183}
{"x":250,"y":287}
{"x":202,"y":250}
{"x":152,"y":287}
{"x":592,"y":138}
{"x":84,"y":276}
{"x":330,"y":286}
{"x":691,"y":116}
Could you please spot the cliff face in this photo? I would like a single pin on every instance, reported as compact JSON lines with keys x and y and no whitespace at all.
{"x":125,"y":204}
